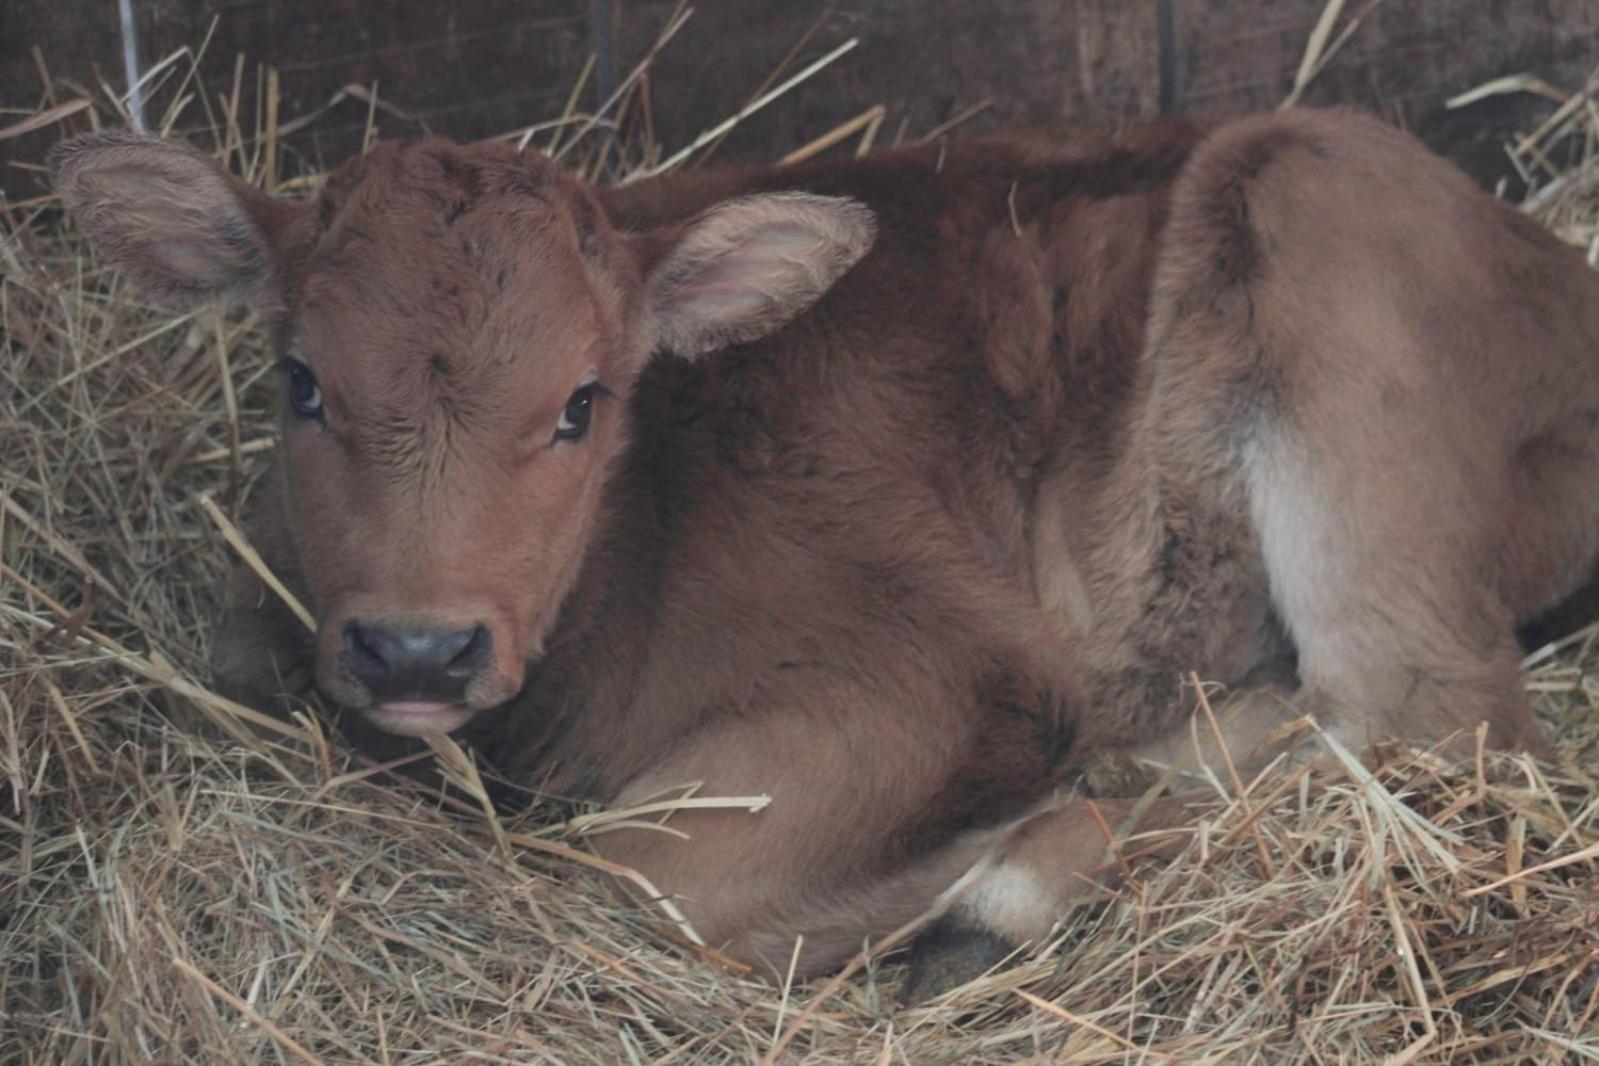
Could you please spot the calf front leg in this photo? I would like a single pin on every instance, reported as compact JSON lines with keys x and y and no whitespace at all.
{"x":834,"y":859}
{"x":1030,"y":877}
{"x":262,"y":655}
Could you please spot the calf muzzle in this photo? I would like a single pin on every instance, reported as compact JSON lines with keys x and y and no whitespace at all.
{"x":415,"y":664}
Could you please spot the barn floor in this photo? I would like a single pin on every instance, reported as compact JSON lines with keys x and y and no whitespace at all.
{"x":208,"y":892}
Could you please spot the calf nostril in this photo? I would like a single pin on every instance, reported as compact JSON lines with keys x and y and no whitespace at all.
{"x":474,"y":649}
{"x":366,"y":654}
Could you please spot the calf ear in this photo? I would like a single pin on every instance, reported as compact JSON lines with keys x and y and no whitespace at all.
{"x":748,"y":266}
{"x":186,"y":229}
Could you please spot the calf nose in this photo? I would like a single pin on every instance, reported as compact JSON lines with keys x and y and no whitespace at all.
{"x":406,"y":663}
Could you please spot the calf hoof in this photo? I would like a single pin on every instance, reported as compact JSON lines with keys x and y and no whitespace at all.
{"x":948,"y":954}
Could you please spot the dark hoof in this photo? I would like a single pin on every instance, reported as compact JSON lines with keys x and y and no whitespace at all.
{"x":948,"y":954}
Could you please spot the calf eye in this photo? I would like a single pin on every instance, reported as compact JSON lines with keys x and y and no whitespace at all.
{"x":305,"y":395}
{"x":575,"y":419}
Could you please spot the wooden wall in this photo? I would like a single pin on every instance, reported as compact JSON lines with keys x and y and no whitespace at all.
{"x":475,"y":67}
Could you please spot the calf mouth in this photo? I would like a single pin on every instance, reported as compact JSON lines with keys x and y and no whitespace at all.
{"x":416,"y":676}
{"x":418,"y":718}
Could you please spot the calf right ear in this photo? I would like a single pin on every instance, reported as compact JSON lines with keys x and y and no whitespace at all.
{"x":748,"y":266}
{"x":185,"y":228}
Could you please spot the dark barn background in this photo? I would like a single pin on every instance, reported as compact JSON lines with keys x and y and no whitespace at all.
{"x":472,"y":68}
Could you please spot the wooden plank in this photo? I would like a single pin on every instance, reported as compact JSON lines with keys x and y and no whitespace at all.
{"x":477,"y":67}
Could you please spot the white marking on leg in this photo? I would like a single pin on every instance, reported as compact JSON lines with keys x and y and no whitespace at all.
{"x":1305,"y":571}
{"x":1012,"y":902}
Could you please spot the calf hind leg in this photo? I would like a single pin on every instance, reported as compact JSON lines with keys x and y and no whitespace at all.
{"x":1318,"y":315}
{"x":1399,"y":630}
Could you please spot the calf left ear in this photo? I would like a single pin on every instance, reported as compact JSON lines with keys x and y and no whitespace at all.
{"x":748,"y":266}
{"x":185,"y":228}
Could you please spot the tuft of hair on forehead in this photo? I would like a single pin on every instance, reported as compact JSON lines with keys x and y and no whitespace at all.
{"x":461,"y":231}
{"x":452,"y":179}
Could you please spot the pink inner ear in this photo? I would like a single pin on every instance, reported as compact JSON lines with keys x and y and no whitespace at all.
{"x":182,"y":259}
{"x":727,"y":303}
{"x":739,"y":271}
{"x":759,"y":267}
{"x":778,"y":237}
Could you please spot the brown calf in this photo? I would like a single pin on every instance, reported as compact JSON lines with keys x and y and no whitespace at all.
{"x":892,"y":488}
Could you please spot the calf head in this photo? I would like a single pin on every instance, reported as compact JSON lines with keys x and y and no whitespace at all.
{"x":459,"y":329}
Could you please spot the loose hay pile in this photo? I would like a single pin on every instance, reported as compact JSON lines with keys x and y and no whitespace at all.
{"x":166,"y":895}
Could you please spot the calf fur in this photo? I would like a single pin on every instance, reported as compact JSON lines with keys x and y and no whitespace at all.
{"x":894,"y":488}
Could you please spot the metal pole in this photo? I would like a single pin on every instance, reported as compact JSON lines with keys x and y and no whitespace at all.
{"x":130,"y":64}
{"x":604,"y":71}
{"x":1166,"y":42}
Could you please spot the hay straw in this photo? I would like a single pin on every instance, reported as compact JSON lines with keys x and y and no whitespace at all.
{"x":871,"y":117}
{"x":250,"y":891}
{"x":1322,"y":46}
{"x":722,"y":128}
{"x":240,"y":544}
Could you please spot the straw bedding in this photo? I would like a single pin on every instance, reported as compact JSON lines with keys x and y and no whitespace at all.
{"x":176,"y":885}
